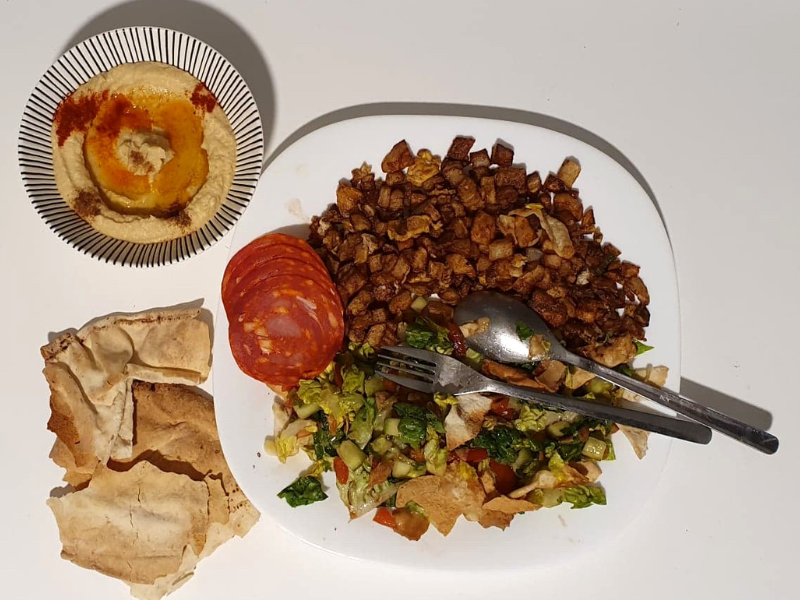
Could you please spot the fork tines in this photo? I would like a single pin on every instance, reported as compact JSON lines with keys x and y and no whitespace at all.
{"x":392,"y":361}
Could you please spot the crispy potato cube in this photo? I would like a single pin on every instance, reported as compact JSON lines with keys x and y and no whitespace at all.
{"x":569,"y":171}
{"x":502,"y":155}
{"x":399,"y":158}
{"x":459,"y":149}
{"x":480,"y":159}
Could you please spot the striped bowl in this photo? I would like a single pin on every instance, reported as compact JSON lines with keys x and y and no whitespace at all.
{"x":96,"y":55}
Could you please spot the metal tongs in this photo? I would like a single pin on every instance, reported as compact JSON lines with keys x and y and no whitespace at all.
{"x":429,"y":372}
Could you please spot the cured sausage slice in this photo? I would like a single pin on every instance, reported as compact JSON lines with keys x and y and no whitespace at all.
{"x":274,"y":245}
{"x":266,"y":268}
{"x":284,"y":329}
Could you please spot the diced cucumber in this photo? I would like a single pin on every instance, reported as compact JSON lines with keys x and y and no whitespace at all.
{"x":524,"y":457}
{"x":391,"y":427}
{"x":419,"y":303}
{"x":306,"y":410}
{"x":599,"y":386}
{"x":558,"y":429}
{"x":401,"y":469}
{"x":594,"y":448}
{"x":381,"y":445}
{"x":351,"y":454}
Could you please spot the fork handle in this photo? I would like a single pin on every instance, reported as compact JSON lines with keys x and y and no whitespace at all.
{"x":738,"y":430}
{"x":669,"y":426}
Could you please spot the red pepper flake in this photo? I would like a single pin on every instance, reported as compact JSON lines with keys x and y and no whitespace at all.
{"x":76,"y":114}
{"x":203,"y":98}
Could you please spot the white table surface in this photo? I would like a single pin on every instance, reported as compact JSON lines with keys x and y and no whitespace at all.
{"x":702,"y":97}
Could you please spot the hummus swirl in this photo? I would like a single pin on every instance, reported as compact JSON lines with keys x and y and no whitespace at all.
{"x":143,"y":152}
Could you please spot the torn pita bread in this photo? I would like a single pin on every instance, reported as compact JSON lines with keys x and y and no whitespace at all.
{"x":133,"y":525}
{"x":177,"y":431}
{"x":219,"y":532}
{"x":464,"y":420}
{"x":90,"y":375}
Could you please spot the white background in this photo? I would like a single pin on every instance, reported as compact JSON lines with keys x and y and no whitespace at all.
{"x":700,"y":99}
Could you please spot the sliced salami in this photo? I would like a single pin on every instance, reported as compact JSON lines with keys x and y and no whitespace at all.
{"x":284,"y":329}
{"x":274,"y":245}
{"x":267,"y":267}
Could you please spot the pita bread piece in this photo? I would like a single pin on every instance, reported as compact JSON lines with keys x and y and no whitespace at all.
{"x":177,"y":431}
{"x":90,"y":375}
{"x":134,"y":525}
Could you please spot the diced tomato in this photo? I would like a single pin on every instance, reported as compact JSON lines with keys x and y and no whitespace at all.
{"x":289,"y":401}
{"x":503,"y":409}
{"x":341,"y":470}
{"x":455,"y":335}
{"x":615,"y":428}
{"x":476,"y":455}
{"x":583,"y":434}
{"x":383,"y":516}
{"x":389,"y":386}
{"x":505,"y":478}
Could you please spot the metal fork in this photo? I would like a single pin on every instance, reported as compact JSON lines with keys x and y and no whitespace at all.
{"x":432,"y":372}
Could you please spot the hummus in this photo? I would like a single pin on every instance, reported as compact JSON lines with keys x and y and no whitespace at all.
{"x":143,"y":152}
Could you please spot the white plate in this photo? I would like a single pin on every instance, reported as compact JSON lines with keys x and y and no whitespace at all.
{"x":300,"y":183}
{"x":96,"y":55}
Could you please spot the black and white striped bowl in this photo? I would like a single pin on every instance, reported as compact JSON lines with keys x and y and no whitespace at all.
{"x":96,"y":55}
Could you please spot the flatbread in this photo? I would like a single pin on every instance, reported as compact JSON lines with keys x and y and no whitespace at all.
{"x":90,"y":375}
{"x":176,"y":430}
{"x":133,"y":525}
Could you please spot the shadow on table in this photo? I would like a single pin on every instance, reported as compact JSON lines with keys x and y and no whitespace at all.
{"x":739,"y":409}
{"x":208,"y":25}
{"x":482,"y":112}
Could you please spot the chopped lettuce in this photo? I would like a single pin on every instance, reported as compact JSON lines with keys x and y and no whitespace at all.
{"x":360,"y":497}
{"x":352,"y":380}
{"x":361,"y":427}
{"x":426,"y":334}
{"x":309,"y":391}
{"x":503,"y":443}
{"x":641,"y":347}
{"x":582,"y":496}
{"x":289,"y":440}
{"x":363,"y":352}
{"x":435,"y":457}
{"x":532,"y":418}
{"x":305,"y":490}
{"x":444,"y":401}
{"x":413,"y":431}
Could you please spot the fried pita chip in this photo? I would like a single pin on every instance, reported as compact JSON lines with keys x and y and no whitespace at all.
{"x":447,"y":497}
{"x":495,"y":518}
{"x":464,"y":420}
{"x":512,"y":506}
{"x":638,"y":439}
{"x":134,"y":525}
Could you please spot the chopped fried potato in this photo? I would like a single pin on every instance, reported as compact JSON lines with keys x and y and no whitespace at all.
{"x":569,"y":171}
{"x":399,"y":158}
